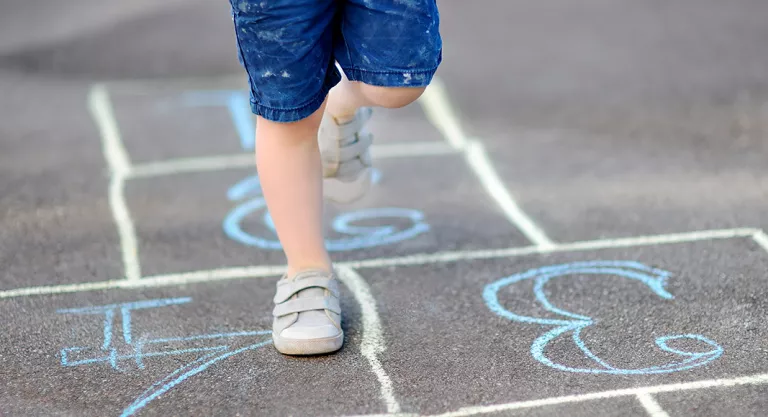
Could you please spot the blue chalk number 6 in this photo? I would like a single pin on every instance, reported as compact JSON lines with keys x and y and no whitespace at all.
{"x":360,"y":237}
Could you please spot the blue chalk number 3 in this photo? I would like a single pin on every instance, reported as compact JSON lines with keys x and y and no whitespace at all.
{"x":573,"y":324}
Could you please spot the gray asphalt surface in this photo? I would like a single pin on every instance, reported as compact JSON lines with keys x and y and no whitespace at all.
{"x":604,"y":119}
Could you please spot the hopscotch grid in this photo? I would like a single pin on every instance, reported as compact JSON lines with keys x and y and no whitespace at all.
{"x":440,"y":113}
{"x":120,"y":167}
{"x":122,"y":170}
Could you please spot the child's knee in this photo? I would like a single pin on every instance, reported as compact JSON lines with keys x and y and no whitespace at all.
{"x":391,"y":97}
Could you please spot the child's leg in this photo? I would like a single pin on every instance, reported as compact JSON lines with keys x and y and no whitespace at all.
{"x":390,"y":51}
{"x":343,"y":140}
{"x":288,"y":162}
{"x":286,"y":47}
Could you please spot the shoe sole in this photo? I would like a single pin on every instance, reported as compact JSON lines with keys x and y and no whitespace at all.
{"x":345,"y":192}
{"x":303,"y":347}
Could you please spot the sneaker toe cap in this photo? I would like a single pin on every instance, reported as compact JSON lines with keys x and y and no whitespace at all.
{"x":299,"y":332}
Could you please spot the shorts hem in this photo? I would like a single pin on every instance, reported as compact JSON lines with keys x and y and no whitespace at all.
{"x":295,"y":114}
{"x":406,"y":78}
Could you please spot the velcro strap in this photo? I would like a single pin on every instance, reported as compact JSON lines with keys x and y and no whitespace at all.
{"x":286,"y":289}
{"x":299,"y":305}
{"x":356,"y":148}
{"x":347,"y":130}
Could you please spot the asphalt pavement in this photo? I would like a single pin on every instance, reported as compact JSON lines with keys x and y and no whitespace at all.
{"x":568,"y":223}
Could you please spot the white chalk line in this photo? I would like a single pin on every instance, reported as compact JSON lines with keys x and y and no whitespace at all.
{"x":193,"y":165}
{"x":454,"y":256}
{"x":373,"y":337}
{"x":411,"y":149}
{"x":652,"y":407}
{"x":183,"y":278}
{"x":655,"y":389}
{"x":440,"y":113}
{"x":246,"y":160}
{"x":101,"y":110}
{"x":759,"y":379}
{"x":120,"y":166}
{"x":481,"y":164}
{"x":409,"y":260}
{"x":762,"y":239}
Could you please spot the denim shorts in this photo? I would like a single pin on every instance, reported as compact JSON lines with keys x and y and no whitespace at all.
{"x":290,"y":48}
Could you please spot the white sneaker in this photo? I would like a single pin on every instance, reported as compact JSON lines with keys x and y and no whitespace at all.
{"x":307,"y":315}
{"x":345,"y":151}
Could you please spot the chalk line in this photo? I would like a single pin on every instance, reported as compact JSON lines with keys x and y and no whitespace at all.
{"x":453,"y":256}
{"x":409,"y":260}
{"x":652,"y":407}
{"x":101,"y":110}
{"x":152,"y":281}
{"x":120,"y":167}
{"x":481,"y":164}
{"x":246,"y":160}
{"x":761,"y":238}
{"x":655,"y":239}
{"x":373,"y":338}
{"x":656,"y":389}
{"x":440,"y":113}
{"x":639,"y":392}
{"x":191,"y":165}
{"x":411,"y":149}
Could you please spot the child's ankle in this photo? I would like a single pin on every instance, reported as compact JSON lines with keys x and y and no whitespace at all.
{"x":293,"y":271}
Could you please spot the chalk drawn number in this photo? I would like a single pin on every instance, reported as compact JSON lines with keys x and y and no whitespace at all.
{"x":654,"y":279}
{"x":360,"y":237}
{"x":113,"y":350}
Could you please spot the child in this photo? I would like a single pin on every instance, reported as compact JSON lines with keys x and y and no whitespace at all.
{"x":388,"y":51}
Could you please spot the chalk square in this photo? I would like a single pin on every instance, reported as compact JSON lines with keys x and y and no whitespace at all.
{"x":604,"y":186}
{"x":222,"y":223}
{"x":169,"y":121}
{"x":261,"y":380}
{"x":172,"y":123}
{"x":446,"y":349}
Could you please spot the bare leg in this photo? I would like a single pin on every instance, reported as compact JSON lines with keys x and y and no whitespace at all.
{"x":290,"y":172}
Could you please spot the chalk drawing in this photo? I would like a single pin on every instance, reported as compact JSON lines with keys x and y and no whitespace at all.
{"x":136,"y":350}
{"x":574,"y":324}
{"x":361,"y":236}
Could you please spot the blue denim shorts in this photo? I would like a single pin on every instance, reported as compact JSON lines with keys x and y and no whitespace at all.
{"x":290,"y":48}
